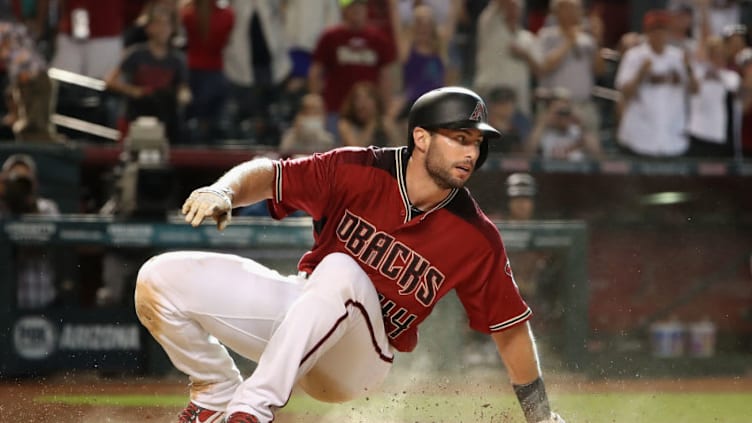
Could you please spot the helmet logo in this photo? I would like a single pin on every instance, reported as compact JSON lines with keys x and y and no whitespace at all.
{"x":477,"y":114}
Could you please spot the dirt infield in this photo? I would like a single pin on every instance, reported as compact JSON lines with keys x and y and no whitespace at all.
{"x":19,"y":399}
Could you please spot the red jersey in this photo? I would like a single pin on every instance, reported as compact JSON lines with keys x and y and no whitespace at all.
{"x":358,"y":200}
{"x":349,"y":57}
{"x":205,"y":52}
{"x":105,"y":17}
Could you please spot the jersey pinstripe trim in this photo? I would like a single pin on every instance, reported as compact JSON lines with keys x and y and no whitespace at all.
{"x":402,"y":184}
{"x":278,"y":181}
{"x":511,"y":322}
{"x":444,"y":202}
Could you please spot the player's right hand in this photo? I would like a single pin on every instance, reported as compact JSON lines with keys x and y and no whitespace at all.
{"x":208,"y":202}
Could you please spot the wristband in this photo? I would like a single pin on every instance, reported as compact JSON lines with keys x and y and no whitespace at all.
{"x":225,"y":193}
{"x":534,"y":401}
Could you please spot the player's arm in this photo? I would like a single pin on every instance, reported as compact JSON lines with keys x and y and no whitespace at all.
{"x":516,"y":347}
{"x":244,"y":184}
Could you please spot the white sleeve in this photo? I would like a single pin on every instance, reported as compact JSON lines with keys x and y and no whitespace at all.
{"x":681,"y":67}
{"x":530,"y":42}
{"x":628,"y":67}
{"x":731,"y":80}
{"x":542,"y":45}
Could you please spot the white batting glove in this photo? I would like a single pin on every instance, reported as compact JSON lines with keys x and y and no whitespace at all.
{"x":555,"y":418}
{"x":208,"y":202}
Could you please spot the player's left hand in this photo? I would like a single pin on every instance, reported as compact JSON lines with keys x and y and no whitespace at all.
{"x":555,"y":418}
{"x":208,"y":202}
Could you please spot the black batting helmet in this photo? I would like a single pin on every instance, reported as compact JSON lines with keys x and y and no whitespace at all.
{"x":451,"y":108}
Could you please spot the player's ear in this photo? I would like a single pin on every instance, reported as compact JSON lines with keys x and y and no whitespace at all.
{"x":422,"y":138}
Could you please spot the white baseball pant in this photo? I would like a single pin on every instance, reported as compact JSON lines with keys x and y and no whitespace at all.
{"x":324,"y":332}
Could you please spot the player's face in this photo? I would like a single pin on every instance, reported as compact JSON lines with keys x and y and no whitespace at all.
{"x":451,"y":156}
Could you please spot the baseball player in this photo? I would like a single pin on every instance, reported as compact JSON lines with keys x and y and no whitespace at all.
{"x":394,"y":231}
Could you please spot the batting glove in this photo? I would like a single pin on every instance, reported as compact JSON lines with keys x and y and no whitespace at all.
{"x":555,"y":418}
{"x":208,"y":202}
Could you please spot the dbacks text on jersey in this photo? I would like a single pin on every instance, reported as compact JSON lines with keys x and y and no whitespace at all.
{"x":394,"y":260}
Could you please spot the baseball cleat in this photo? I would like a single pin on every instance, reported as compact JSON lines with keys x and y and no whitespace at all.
{"x":195,"y":414}
{"x":241,"y":417}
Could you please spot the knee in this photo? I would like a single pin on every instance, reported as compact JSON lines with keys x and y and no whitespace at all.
{"x":339,"y":266}
{"x":148,"y":293}
{"x":340,"y":272}
{"x":149,"y":273}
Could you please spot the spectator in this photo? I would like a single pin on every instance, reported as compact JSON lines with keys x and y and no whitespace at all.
{"x":89,"y":40}
{"x":735,"y":42}
{"x":23,"y":169}
{"x":383,"y":16}
{"x":347,"y":54}
{"x":559,"y":134}
{"x":39,"y":19}
{"x":654,"y":78}
{"x":257,"y":63}
{"x":207,"y":26}
{"x":627,"y":41}
{"x":35,"y":275}
{"x":504,"y":54}
{"x":521,"y":189}
{"x":153,"y":77}
{"x":680,"y":28}
{"x":30,"y":87}
{"x":135,"y":28}
{"x":466,"y":36}
{"x":423,"y":55}
{"x":708,"y":114}
{"x":721,"y":13}
{"x":570,"y":57}
{"x":504,"y":115}
{"x":305,"y":21}
{"x":308,"y":133}
{"x":363,"y":120}
{"x":444,"y":14}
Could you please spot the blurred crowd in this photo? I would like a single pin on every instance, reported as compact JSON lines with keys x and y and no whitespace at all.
{"x":563,"y":79}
